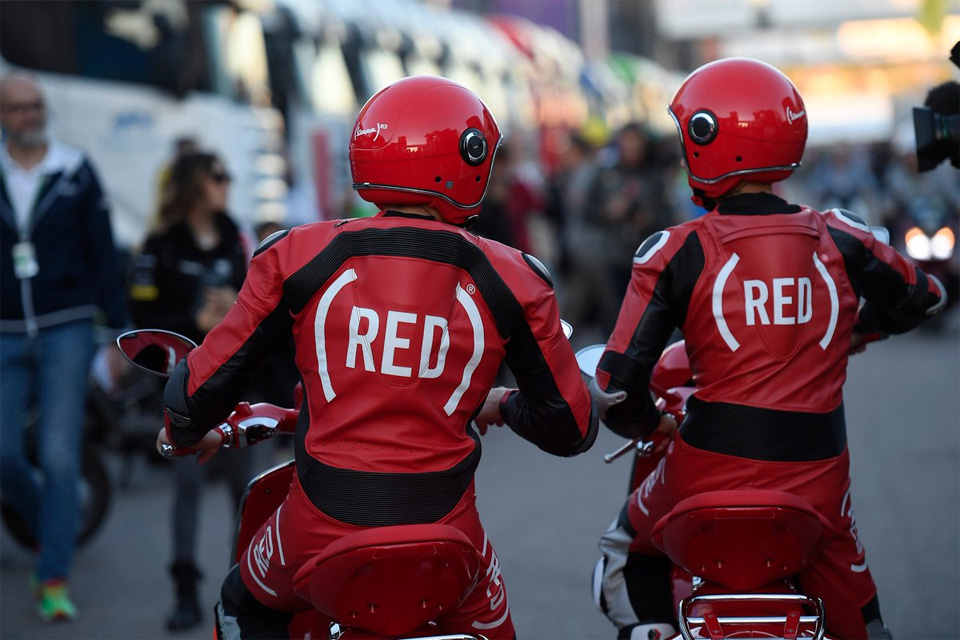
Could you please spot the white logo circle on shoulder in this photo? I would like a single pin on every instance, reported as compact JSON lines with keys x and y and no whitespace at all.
{"x":642,"y":256}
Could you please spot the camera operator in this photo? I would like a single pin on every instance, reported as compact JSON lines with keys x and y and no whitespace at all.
{"x":937,"y":123}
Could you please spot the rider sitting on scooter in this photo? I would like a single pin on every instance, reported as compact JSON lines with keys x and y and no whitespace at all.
{"x":766,"y":294}
{"x":401,"y":322}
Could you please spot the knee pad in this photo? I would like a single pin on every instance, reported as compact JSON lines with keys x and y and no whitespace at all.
{"x":240,"y":615}
{"x":609,"y":590}
{"x":234,"y":595}
{"x":628,"y":587}
{"x":876,"y":630}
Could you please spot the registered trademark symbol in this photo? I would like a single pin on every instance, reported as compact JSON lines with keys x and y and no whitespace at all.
{"x":471,"y":289}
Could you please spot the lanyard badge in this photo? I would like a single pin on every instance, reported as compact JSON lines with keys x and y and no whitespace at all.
{"x":25,"y":260}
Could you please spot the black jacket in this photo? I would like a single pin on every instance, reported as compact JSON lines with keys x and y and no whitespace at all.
{"x":167,"y":279}
{"x":69,"y":227}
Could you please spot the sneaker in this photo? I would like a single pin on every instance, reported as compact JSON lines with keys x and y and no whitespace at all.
{"x":54,"y":602}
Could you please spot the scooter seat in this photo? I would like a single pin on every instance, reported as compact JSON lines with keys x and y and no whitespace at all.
{"x":743,"y":539}
{"x":391,"y":580}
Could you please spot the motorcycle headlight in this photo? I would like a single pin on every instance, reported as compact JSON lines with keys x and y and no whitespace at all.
{"x":918,"y":244}
{"x":942,"y":244}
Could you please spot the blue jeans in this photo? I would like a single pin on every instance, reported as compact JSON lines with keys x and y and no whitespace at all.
{"x":50,"y":372}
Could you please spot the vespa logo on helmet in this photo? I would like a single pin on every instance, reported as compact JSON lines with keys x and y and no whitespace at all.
{"x":374,"y":130}
{"x":791,"y":116}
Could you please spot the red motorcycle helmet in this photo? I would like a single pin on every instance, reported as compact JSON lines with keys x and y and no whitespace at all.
{"x":424,"y":140}
{"x":740,"y":120}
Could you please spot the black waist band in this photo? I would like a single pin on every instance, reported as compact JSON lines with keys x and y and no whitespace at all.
{"x":764,"y":434}
{"x":374,"y":499}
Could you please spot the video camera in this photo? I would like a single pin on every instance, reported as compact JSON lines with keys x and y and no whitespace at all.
{"x":937,"y":123}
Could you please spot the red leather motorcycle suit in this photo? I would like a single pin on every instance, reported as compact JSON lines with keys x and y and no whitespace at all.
{"x":400,"y":325}
{"x":766,"y":295}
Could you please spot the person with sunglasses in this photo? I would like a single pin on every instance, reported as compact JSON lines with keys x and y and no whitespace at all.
{"x":185,"y":279}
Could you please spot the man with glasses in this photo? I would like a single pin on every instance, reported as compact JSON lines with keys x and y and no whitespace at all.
{"x":58,"y":269}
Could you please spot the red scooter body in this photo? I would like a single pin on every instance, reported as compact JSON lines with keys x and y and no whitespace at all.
{"x":734,"y":552}
{"x":744,"y":546}
{"x":386,"y":582}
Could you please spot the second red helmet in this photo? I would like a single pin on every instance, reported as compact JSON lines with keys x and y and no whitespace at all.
{"x":740,"y":120}
{"x":424,"y":140}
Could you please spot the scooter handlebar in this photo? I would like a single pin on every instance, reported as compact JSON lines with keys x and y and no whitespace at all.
{"x":250,"y":424}
{"x":246,"y":426}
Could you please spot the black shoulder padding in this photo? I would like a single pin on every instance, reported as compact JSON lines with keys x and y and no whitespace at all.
{"x":270,"y":240}
{"x":647,"y":244}
{"x":539,"y":268}
{"x":851,"y":216}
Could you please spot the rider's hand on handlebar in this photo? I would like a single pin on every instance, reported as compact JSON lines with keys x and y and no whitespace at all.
{"x":490,"y":411}
{"x":666,"y":428}
{"x":207,"y":447}
{"x":858,"y":343}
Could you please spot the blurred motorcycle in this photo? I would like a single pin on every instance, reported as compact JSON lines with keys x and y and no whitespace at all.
{"x":95,"y":490}
{"x":928,"y":237}
{"x":122,"y":423}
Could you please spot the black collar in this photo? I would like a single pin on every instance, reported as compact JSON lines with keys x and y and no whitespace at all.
{"x":390,"y":213}
{"x":755,"y":204}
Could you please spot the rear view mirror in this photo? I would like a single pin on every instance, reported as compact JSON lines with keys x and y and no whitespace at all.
{"x":589,"y":357}
{"x":155,"y":350}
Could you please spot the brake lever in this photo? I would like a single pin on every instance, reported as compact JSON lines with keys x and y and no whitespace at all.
{"x":171,"y":452}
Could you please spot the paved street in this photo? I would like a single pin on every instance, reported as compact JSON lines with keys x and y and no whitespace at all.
{"x":546,"y":514}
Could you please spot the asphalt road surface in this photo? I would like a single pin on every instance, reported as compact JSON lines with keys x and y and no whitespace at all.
{"x":545,"y":515}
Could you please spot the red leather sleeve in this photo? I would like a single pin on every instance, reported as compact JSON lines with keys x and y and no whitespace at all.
{"x":220,"y":369}
{"x":648,"y":316}
{"x":553,"y":408}
{"x":899,"y":295}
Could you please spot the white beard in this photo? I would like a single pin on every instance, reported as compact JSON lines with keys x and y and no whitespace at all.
{"x":35,"y":138}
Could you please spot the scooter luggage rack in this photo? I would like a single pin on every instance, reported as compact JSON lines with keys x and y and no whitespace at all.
{"x":336,"y":632}
{"x":713,"y":624}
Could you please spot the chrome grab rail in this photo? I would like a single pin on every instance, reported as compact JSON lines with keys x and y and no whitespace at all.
{"x":817,"y":617}
{"x":337,"y":632}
